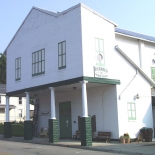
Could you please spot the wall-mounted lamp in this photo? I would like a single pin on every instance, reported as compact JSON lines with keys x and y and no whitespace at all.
{"x":137,"y":96}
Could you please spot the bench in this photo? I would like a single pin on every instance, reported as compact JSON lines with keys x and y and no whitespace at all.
{"x":77,"y":134}
{"x":106,"y":135}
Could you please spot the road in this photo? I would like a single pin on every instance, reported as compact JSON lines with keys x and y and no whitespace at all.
{"x":17,"y":148}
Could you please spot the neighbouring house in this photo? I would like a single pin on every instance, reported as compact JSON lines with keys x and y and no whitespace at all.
{"x":17,"y":109}
{"x":85,"y":73}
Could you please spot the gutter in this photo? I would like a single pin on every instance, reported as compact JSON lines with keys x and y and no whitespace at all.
{"x":134,"y":65}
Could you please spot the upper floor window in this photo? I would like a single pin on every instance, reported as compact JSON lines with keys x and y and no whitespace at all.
{"x":153,"y":73}
{"x":17,"y":69}
{"x":99,"y":46}
{"x":38,"y":62}
{"x":62,"y":55}
{"x":20,"y":100}
{"x":131,"y":111}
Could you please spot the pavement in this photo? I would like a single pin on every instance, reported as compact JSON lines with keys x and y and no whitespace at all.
{"x":134,"y":148}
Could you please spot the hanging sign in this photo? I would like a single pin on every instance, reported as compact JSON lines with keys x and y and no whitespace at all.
{"x":100,"y":72}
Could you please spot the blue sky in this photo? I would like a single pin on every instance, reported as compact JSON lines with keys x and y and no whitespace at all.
{"x":134,"y":15}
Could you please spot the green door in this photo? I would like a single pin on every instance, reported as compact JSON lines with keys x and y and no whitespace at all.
{"x":65,"y":120}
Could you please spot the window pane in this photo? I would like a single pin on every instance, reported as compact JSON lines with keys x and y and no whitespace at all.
{"x":59,"y":48}
{"x":39,"y":67}
{"x":36,"y":68}
{"x":133,"y":107}
{"x":39,"y":55}
{"x":101,"y":45}
{"x":33,"y":60}
{"x":63,"y":48}
{"x":96,"y":44}
{"x":133,"y":114}
{"x":128,"y":106}
{"x":16,"y":74}
{"x":43,"y":55}
{"x":43,"y":66}
{"x":33,"y":69}
{"x":64,"y":60}
{"x":36,"y":56}
{"x":60,"y":64}
{"x":129,"y":114}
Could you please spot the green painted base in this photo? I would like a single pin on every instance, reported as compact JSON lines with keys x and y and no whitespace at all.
{"x":7,"y":130}
{"x":86,"y":131}
{"x":28,"y":126}
{"x":53,"y":130}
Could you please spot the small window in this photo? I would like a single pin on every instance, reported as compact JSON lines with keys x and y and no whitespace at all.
{"x":20,"y":100}
{"x":62,"y":55}
{"x":38,"y":62}
{"x":20,"y":113}
{"x":99,"y":47}
{"x":131,"y":111}
{"x":153,"y":73}
{"x":17,"y":69}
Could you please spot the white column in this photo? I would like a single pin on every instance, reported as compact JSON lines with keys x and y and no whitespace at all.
{"x":52,"y":103}
{"x":7,"y":109}
{"x":84,"y":99}
{"x":27,"y":106}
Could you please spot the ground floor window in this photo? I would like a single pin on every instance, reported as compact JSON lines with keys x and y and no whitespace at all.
{"x":131,"y":111}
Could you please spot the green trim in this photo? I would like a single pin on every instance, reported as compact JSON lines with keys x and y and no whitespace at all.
{"x":65,"y":82}
{"x":153,"y":73}
{"x":18,"y":69}
{"x":101,"y":80}
{"x":36,"y":61}
{"x":61,"y":54}
{"x":131,"y":111}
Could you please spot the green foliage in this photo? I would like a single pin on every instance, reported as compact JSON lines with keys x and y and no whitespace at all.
{"x":17,"y":129}
{"x":2,"y":68}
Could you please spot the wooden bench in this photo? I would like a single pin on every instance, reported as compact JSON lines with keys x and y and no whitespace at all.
{"x":106,"y":135}
{"x":77,"y":134}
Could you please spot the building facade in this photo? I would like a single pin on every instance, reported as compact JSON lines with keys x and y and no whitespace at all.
{"x":78,"y":64}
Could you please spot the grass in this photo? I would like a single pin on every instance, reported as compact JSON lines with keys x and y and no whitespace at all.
{"x":17,"y":130}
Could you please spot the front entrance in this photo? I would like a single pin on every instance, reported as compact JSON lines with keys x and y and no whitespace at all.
{"x":65,"y":120}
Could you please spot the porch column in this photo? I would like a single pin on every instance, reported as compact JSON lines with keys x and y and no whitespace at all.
{"x":7,"y":123}
{"x":53,"y":122}
{"x":28,"y":126}
{"x":85,"y":126}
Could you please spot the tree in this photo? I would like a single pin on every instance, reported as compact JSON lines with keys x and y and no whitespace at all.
{"x":2,"y":69}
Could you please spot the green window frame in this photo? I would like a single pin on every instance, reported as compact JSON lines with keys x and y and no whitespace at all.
{"x":62,"y":55}
{"x":99,"y":47}
{"x":38,"y":62}
{"x":18,"y":68}
{"x":131,"y":111}
{"x":153,"y":73}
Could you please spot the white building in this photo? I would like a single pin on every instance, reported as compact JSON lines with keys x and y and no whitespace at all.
{"x":17,"y":110}
{"x":77,"y":63}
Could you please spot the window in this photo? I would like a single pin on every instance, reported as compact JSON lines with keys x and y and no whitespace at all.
{"x":131,"y":111}
{"x":38,"y":62}
{"x":62,"y":55}
{"x":0,"y":99}
{"x":20,"y":100}
{"x":153,"y":73}
{"x":99,"y":45}
{"x":18,"y":69}
{"x":20,"y":113}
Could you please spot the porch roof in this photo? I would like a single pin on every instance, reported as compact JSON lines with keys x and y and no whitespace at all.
{"x":2,"y":106}
{"x":65,"y":82}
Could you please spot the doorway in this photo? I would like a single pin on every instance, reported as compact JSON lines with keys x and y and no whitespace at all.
{"x":65,"y":120}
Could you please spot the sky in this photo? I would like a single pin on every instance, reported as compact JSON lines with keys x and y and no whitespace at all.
{"x":134,"y":15}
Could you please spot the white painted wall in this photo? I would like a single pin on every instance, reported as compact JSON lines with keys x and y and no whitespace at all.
{"x":44,"y":31}
{"x":100,"y":103}
{"x":93,"y":26}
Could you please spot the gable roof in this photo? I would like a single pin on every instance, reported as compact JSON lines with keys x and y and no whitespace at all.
{"x":57,"y":14}
{"x":135,"y":35}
